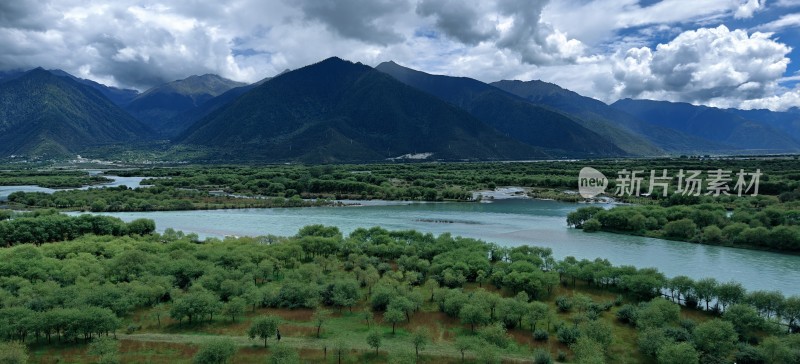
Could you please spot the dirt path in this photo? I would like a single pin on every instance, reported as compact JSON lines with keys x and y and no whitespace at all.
{"x":392,"y":346}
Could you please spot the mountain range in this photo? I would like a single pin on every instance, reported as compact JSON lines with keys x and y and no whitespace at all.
{"x":339,"y":111}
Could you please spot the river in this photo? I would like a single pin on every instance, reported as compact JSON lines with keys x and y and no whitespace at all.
{"x":132,"y":182}
{"x":507,"y":222}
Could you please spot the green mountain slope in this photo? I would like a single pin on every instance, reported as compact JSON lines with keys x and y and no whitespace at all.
{"x":510,"y":114}
{"x":336,"y":111}
{"x":45,"y":115}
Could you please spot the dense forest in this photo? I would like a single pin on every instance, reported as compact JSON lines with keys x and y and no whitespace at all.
{"x":374,"y":296}
{"x":758,"y":222}
{"x":50,"y":179}
{"x":210,"y":187}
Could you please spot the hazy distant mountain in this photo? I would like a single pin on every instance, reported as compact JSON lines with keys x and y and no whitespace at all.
{"x":158,"y":106}
{"x":786,"y":121}
{"x":180,"y":123}
{"x":512,"y":115}
{"x":626,"y":130}
{"x":712,"y":124}
{"x":336,"y":111}
{"x":42,"y":114}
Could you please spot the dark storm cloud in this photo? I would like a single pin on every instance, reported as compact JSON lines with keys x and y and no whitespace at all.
{"x":23,"y":14}
{"x":458,"y":20}
{"x":356,"y":19}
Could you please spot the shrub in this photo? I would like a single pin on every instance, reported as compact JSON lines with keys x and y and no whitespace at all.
{"x":563,"y":303}
{"x":567,"y":334}
{"x":541,"y":356}
{"x":627,"y":314}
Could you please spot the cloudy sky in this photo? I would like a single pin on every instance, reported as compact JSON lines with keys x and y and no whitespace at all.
{"x":727,"y":53}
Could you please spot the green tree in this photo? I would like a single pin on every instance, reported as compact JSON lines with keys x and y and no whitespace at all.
{"x":650,"y":340}
{"x":599,"y":331}
{"x":680,"y":229}
{"x":194,"y":304}
{"x":791,"y":310}
{"x":319,"y":318}
{"x":264,"y":328}
{"x":567,"y":334}
{"x":776,"y":351}
{"x":588,"y":351}
{"x":745,"y":319}
{"x":142,"y":227}
{"x":495,"y":334}
{"x":218,"y":351}
{"x":368,"y":315}
{"x":419,"y":339}
{"x":465,"y":343}
{"x":677,"y":353}
{"x":706,"y":290}
{"x":489,"y":355}
{"x":537,"y":311}
{"x":592,"y":225}
{"x":715,"y":338}
{"x":282,"y":354}
{"x":374,"y":340}
{"x":403,"y":305}
{"x":730,"y":293}
{"x":234,"y":307}
{"x":541,"y":356}
{"x":474,"y":314}
{"x":657,"y":313}
{"x":13,"y":353}
{"x":106,"y":349}
{"x":339,"y":348}
{"x":393,"y":316}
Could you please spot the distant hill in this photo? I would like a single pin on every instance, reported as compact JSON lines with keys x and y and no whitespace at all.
{"x":45,"y":115}
{"x":786,"y":121}
{"x":716,"y":125}
{"x":159,"y":106}
{"x":181,"y":122}
{"x":626,"y":130}
{"x":338,"y":111}
{"x":514,"y":116}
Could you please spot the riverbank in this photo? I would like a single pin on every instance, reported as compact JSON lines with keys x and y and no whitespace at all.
{"x":509,"y":223}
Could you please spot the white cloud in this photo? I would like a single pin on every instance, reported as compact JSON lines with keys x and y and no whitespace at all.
{"x":747,"y":9}
{"x":787,"y":3}
{"x":786,"y":21}
{"x":600,"y":48}
{"x":708,"y":66}
{"x":782,"y":102}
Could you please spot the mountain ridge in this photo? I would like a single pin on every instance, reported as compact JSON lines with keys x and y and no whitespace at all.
{"x":716,"y":125}
{"x":507,"y":113}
